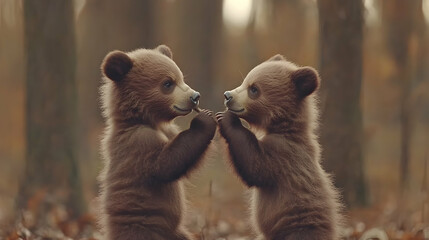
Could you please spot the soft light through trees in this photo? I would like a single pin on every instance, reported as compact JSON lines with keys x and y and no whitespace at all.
{"x":425,"y":6}
{"x":372,"y":14}
{"x":236,"y":14}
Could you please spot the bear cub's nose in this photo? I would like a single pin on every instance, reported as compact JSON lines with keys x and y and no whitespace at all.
{"x":195,"y":97}
{"x":228,"y":96}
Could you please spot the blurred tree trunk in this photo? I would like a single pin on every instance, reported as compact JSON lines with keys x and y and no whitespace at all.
{"x":404,"y":22}
{"x":200,"y":31}
{"x":341,"y":29}
{"x":103,"y":26}
{"x":291,"y":37}
{"x":51,"y":168}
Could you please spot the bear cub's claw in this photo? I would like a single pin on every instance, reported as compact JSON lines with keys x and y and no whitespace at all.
{"x":204,"y":121}
{"x":227,"y":118}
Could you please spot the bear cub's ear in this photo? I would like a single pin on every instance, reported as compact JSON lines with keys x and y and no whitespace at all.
{"x":306,"y":81}
{"x":165,"y":50}
{"x":277,"y":57}
{"x":116,"y":65}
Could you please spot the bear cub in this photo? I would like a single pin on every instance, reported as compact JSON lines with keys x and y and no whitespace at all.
{"x":145,"y":156}
{"x":293,"y":197}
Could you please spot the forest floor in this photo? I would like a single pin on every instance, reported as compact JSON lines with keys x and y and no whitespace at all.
{"x":218,"y":211}
{"x":380,"y":222}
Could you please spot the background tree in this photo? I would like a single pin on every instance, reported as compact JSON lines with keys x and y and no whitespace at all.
{"x":405,"y":27}
{"x":200,"y":27}
{"x":51,"y":164}
{"x":103,"y":26}
{"x":341,"y":24}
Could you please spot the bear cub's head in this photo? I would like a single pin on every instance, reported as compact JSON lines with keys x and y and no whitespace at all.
{"x":146,"y":86}
{"x":272,"y":92}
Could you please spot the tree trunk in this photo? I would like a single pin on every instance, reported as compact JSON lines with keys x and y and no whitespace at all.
{"x":103,"y":26}
{"x":51,"y":168}
{"x":341,"y":29}
{"x":402,"y":20}
{"x":201,"y":22}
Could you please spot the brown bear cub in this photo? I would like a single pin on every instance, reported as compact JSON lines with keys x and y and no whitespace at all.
{"x":293,"y":197}
{"x":145,"y":155}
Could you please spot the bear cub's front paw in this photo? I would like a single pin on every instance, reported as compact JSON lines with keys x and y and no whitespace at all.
{"x":204,"y":121}
{"x":226,"y":120}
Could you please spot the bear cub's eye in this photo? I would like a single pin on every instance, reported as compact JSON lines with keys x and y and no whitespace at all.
{"x":253,"y":92}
{"x":168,"y":83}
{"x":253,"y":89}
{"x":167,"y":86}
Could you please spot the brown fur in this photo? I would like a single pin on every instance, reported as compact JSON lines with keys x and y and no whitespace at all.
{"x":145,"y":155}
{"x":293,"y":197}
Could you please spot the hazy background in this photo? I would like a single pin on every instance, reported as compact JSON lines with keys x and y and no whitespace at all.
{"x":373,"y":57}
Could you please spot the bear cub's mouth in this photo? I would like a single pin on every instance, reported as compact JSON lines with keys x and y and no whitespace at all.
{"x":181,"y":109}
{"x":236,"y":111}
